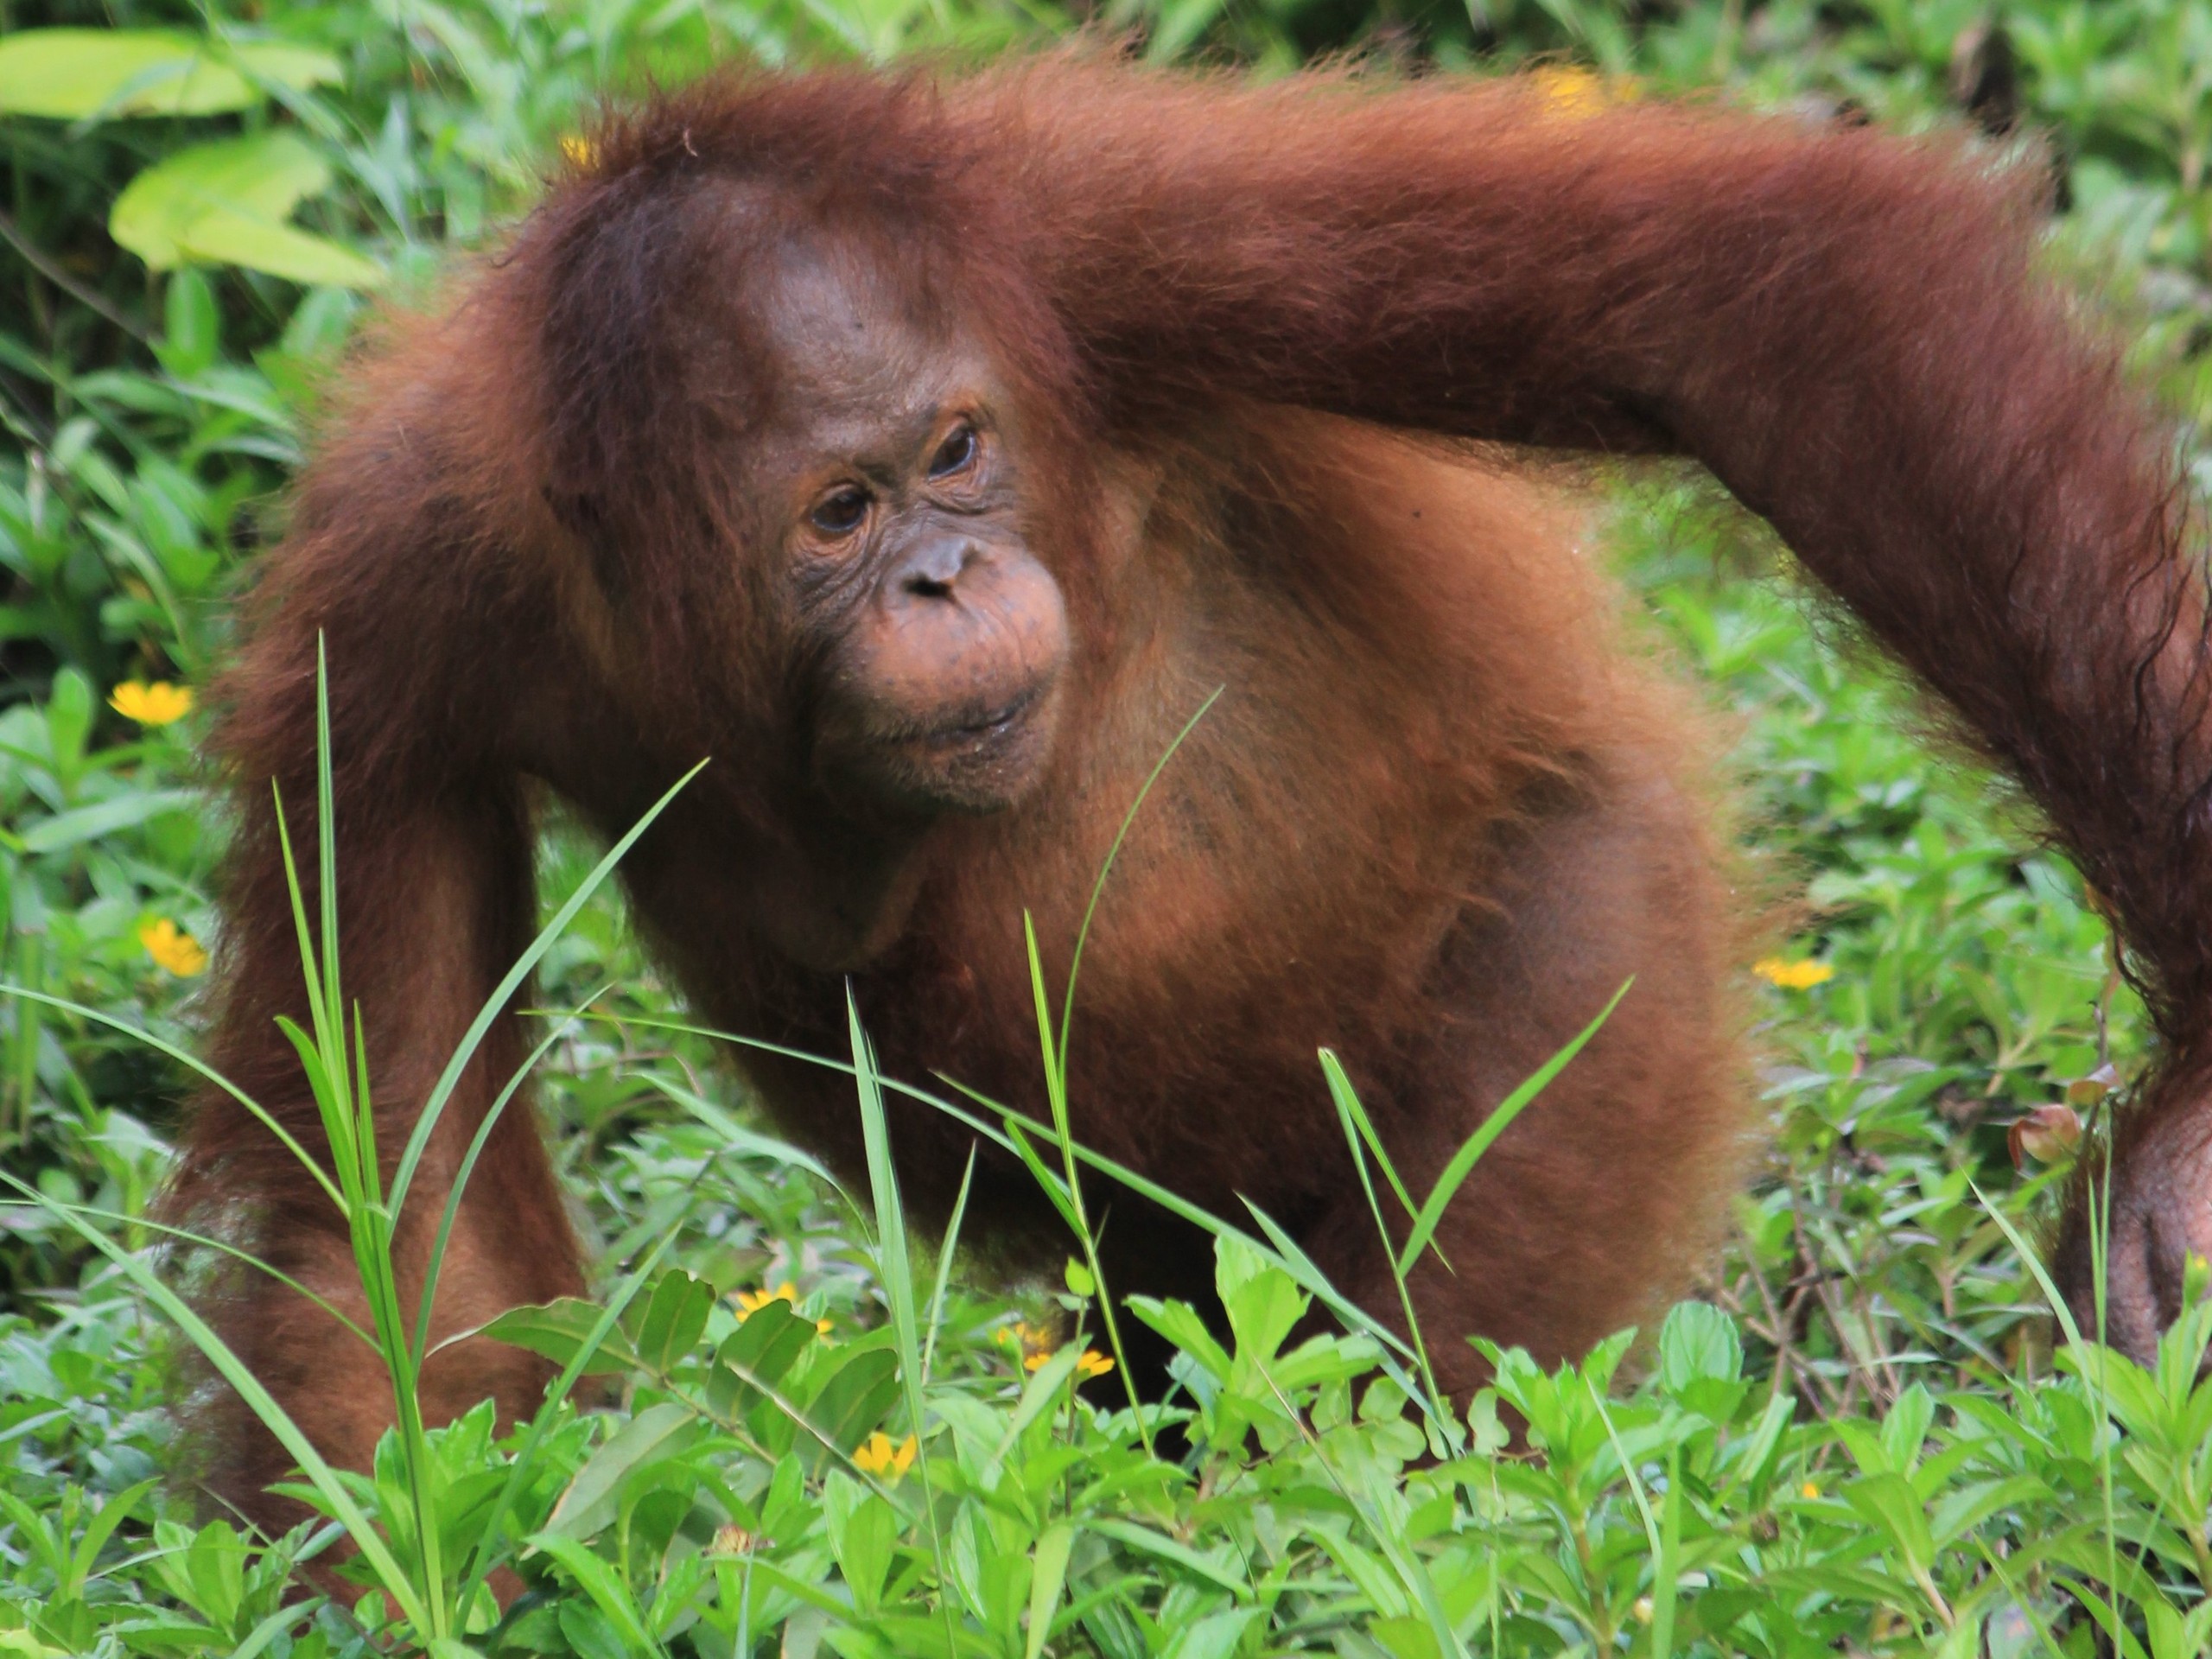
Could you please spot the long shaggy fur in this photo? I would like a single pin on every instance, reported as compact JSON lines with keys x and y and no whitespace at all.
{"x":1442,"y":811}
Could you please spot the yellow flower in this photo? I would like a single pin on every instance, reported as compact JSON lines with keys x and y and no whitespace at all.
{"x":157,"y":704}
{"x":879,"y":1455}
{"x":751,"y":1301}
{"x":1033,"y":1343}
{"x":1808,"y":1490}
{"x":579,"y":151}
{"x":172,"y":948}
{"x":1570,"y":92}
{"x":731,"y":1541}
{"x":1793,"y":976}
{"x":1093,"y":1363}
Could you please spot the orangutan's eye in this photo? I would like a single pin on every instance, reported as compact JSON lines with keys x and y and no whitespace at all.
{"x":956,"y":454}
{"x":842,"y":512}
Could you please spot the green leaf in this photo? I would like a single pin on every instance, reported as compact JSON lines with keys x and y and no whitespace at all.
{"x":1406,"y":1637}
{"x":224,"y":203}
{"x":1214,"y":1636}
{"x":68,"y":724}
{"x":590,"y":1501}
{"x":854,"y":1399}
{"x":1263,"y":1301}
{"x":558,"y":1330}
{"x":1701,"y":1360}
{"x":1146,"y":1542}
{"x":194,"y":331}
{"x":69,"y":74}
{"x":1905,"y":1431}
{"x":755,"y":1355}
{"x":100,"y":1528}
{"x":86,"y":824}
{"x":673,"y":1319}
{"x":606,"y":1588}
{"x":1890,"y":1503}
{"x":1050,"y":1573}
{"x":1698,"y":1340}
{"x":863,"y":1533}
{"x":1179,"y":1323}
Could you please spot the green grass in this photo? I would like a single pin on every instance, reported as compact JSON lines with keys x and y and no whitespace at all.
{"x":1863,"y":1434}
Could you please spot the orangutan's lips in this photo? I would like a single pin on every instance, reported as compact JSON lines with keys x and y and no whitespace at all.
{"x":995,"y":724}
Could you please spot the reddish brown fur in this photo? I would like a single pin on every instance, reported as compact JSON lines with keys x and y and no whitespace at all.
{"x":1442,"y":813}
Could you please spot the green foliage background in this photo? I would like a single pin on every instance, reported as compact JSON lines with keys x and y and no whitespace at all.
{"x":1859,"y":1439}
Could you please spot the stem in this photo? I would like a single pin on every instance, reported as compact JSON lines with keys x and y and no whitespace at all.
{"x":1056,"y":1093}
{"x":1601,"y":1613}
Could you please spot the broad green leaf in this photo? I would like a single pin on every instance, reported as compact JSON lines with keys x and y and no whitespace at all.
{"x":606,"y":1588}
{"x":227,"y":238}
{"x":68,"y":724}
{"x":672,"y":1320}
{"x":1263,"y":1307}
{"x":863,"y":1533}
{"x":1701,"y":1360}
{"x":558,"y":1330}
{"x":225,"y":202}
{"x":589,"y":1503}
{"x":1179,"y":1323}
{"x":854,"y":1399}
{"x":1406,"y":1637}
{"x":1148,"y":1543}
{"x":1214,"y":1636}
{"x":86,"y":824}
{"x":755,"y":1355}
{"x":1051,"y":1572}
{"x":69,"y":74}
{"x":1890,"y":1503}
{"x":1698,"y":1340}
{"x":1905,"y":1431}
{"x":193,"y":334}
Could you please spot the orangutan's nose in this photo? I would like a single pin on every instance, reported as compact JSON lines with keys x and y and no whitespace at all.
{"x":933,"y":569}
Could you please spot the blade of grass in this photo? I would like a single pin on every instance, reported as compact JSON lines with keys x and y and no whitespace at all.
{"x":945,"y":1261}
{"x":1464,"y":1160}
{"x":896,"y":1273}
{"x":1350,"y":1107}
{"x":206,"y":1241}
{"x":327,"y":861}
{"x":1374,"y":1208}
{"x":485,"y":1554}
{"x":340,"y":1086}
{"x":1004,"y":1139}
{"x":198,"y":1067}
{"x":1662,"y":1589}
{"x":1098,"y":886}
{"x":734,"y":1134}
{"x":1413,"y":1574}
{"x":2093,"y":1377}
{"x":1287,"y":1254}
{"x":2099,"y":1244}
{"x":1056,"y":1095}
{"x":392,"y":1578}
{"x":434,"y":1106}
{"x":467,"y":1168}
{"x":2028,"y":1259}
